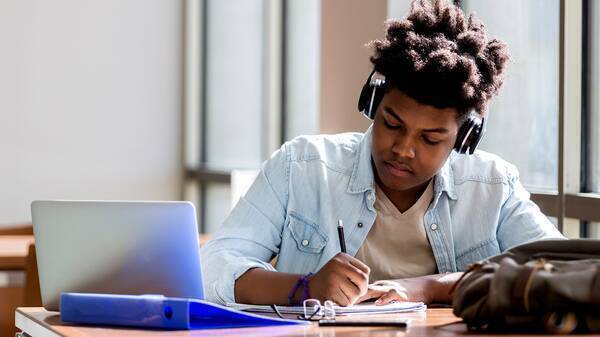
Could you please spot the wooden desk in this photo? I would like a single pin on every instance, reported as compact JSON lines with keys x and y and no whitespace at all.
{"x":13,"y":263}
{"x":38,"y":322}
{"x":13,"y":251}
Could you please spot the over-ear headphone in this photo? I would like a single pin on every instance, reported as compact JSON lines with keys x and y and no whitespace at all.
{"x":469,"y":134}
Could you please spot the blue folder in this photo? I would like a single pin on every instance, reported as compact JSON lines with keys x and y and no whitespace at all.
{"x":156,"y":311}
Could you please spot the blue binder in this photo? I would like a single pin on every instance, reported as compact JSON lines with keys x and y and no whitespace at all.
{"x":156,"y":311}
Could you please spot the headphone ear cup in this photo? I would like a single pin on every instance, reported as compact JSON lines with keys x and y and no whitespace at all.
{"x":363,"y":100}
{"x":469,"y":135}
{"x":365,"y":96}
{"x":460,"y":136}
{"x":476,"y":135}
{"x":371,"y":95}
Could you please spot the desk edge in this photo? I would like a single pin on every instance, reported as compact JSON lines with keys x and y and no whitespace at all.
{"x":32,"y":326}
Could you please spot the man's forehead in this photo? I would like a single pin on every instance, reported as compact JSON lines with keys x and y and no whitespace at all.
{"x":400,"y":106}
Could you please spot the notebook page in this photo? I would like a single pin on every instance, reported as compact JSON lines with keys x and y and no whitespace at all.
{"x":362,"y":308}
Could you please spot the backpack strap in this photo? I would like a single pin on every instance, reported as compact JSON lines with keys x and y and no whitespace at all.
{"x":595,"y":291}
{"x":524,"y":280}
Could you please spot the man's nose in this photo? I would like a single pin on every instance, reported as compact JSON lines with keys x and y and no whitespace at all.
{"x":404,"y":146}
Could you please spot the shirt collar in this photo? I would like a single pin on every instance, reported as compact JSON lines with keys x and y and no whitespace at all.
{"x":362,"y":178}
{"x":444,"y":180}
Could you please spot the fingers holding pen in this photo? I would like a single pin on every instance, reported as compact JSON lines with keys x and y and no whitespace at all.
{"x":340,"y":275}
{"x":343,"y":278}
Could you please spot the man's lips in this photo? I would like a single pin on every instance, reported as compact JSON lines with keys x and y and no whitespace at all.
{"x":398,"y":169}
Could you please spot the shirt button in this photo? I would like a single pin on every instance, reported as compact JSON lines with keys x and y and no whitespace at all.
{"x":360,"y":224}
{"x":305,"y":243}
{"x":433,"y":226}
{"x":370,"y":197}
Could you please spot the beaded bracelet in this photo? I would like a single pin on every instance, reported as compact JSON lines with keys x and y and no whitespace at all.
{"x":305,"y":291}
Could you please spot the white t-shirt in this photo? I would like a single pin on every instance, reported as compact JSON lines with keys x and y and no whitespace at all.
{"x":397,"y":245}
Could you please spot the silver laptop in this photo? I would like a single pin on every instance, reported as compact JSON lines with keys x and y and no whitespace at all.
{"x":116,"y":247}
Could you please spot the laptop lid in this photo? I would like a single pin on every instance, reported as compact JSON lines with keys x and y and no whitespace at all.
{"x":116,"y":247}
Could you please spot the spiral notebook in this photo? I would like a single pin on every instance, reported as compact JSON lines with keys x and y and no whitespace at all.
{"x":156,"y":311}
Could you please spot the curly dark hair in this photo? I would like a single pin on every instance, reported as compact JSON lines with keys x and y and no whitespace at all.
{"x":438,"y":58}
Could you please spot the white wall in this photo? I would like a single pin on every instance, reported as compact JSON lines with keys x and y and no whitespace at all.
{"x":90,"y":101}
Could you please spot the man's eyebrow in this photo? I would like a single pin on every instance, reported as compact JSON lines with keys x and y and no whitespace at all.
{"x":391,"y":112}
{"x":438,"y":130}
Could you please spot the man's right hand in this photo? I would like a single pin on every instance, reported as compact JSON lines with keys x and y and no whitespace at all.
{"x":343,"y":279}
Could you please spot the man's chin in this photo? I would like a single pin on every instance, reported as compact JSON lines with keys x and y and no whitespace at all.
{"x":400,"y":184}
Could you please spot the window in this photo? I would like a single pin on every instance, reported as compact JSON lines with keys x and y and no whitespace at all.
{"x":234,"y":83}
{"x":234,"y":97}
{"x":250,"y":85}
{"x":302,"y":67}
{"x":592,"y":143}
{"x":522,"y":123}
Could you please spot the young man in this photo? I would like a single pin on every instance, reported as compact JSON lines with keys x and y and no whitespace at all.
{"x":416,"y":213}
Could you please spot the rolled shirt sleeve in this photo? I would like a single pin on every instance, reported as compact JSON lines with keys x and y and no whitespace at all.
{"x":520,"y":218}
{"x":251,"y":235}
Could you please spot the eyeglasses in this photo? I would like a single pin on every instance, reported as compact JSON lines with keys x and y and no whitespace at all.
{"x":314,"y":311}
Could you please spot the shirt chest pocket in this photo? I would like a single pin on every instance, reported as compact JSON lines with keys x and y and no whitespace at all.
{"x":307,"y":235}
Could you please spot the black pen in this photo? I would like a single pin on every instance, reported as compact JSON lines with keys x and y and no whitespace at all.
{"x":341,"y":235}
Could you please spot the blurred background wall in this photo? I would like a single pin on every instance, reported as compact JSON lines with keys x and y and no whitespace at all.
{"x":90,"y":101}
{"x":345,"y":64}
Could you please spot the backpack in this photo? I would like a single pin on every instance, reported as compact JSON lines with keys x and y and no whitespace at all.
{"x":551,"y":285}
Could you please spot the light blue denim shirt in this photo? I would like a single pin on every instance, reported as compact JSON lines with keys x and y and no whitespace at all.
{"x":479,"y":209}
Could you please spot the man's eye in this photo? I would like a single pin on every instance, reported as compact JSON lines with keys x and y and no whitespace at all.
{"x":390,"y":126}
{"x":430,"y":141}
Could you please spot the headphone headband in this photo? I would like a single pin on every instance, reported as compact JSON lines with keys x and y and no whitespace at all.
{"x":469,"y":134}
